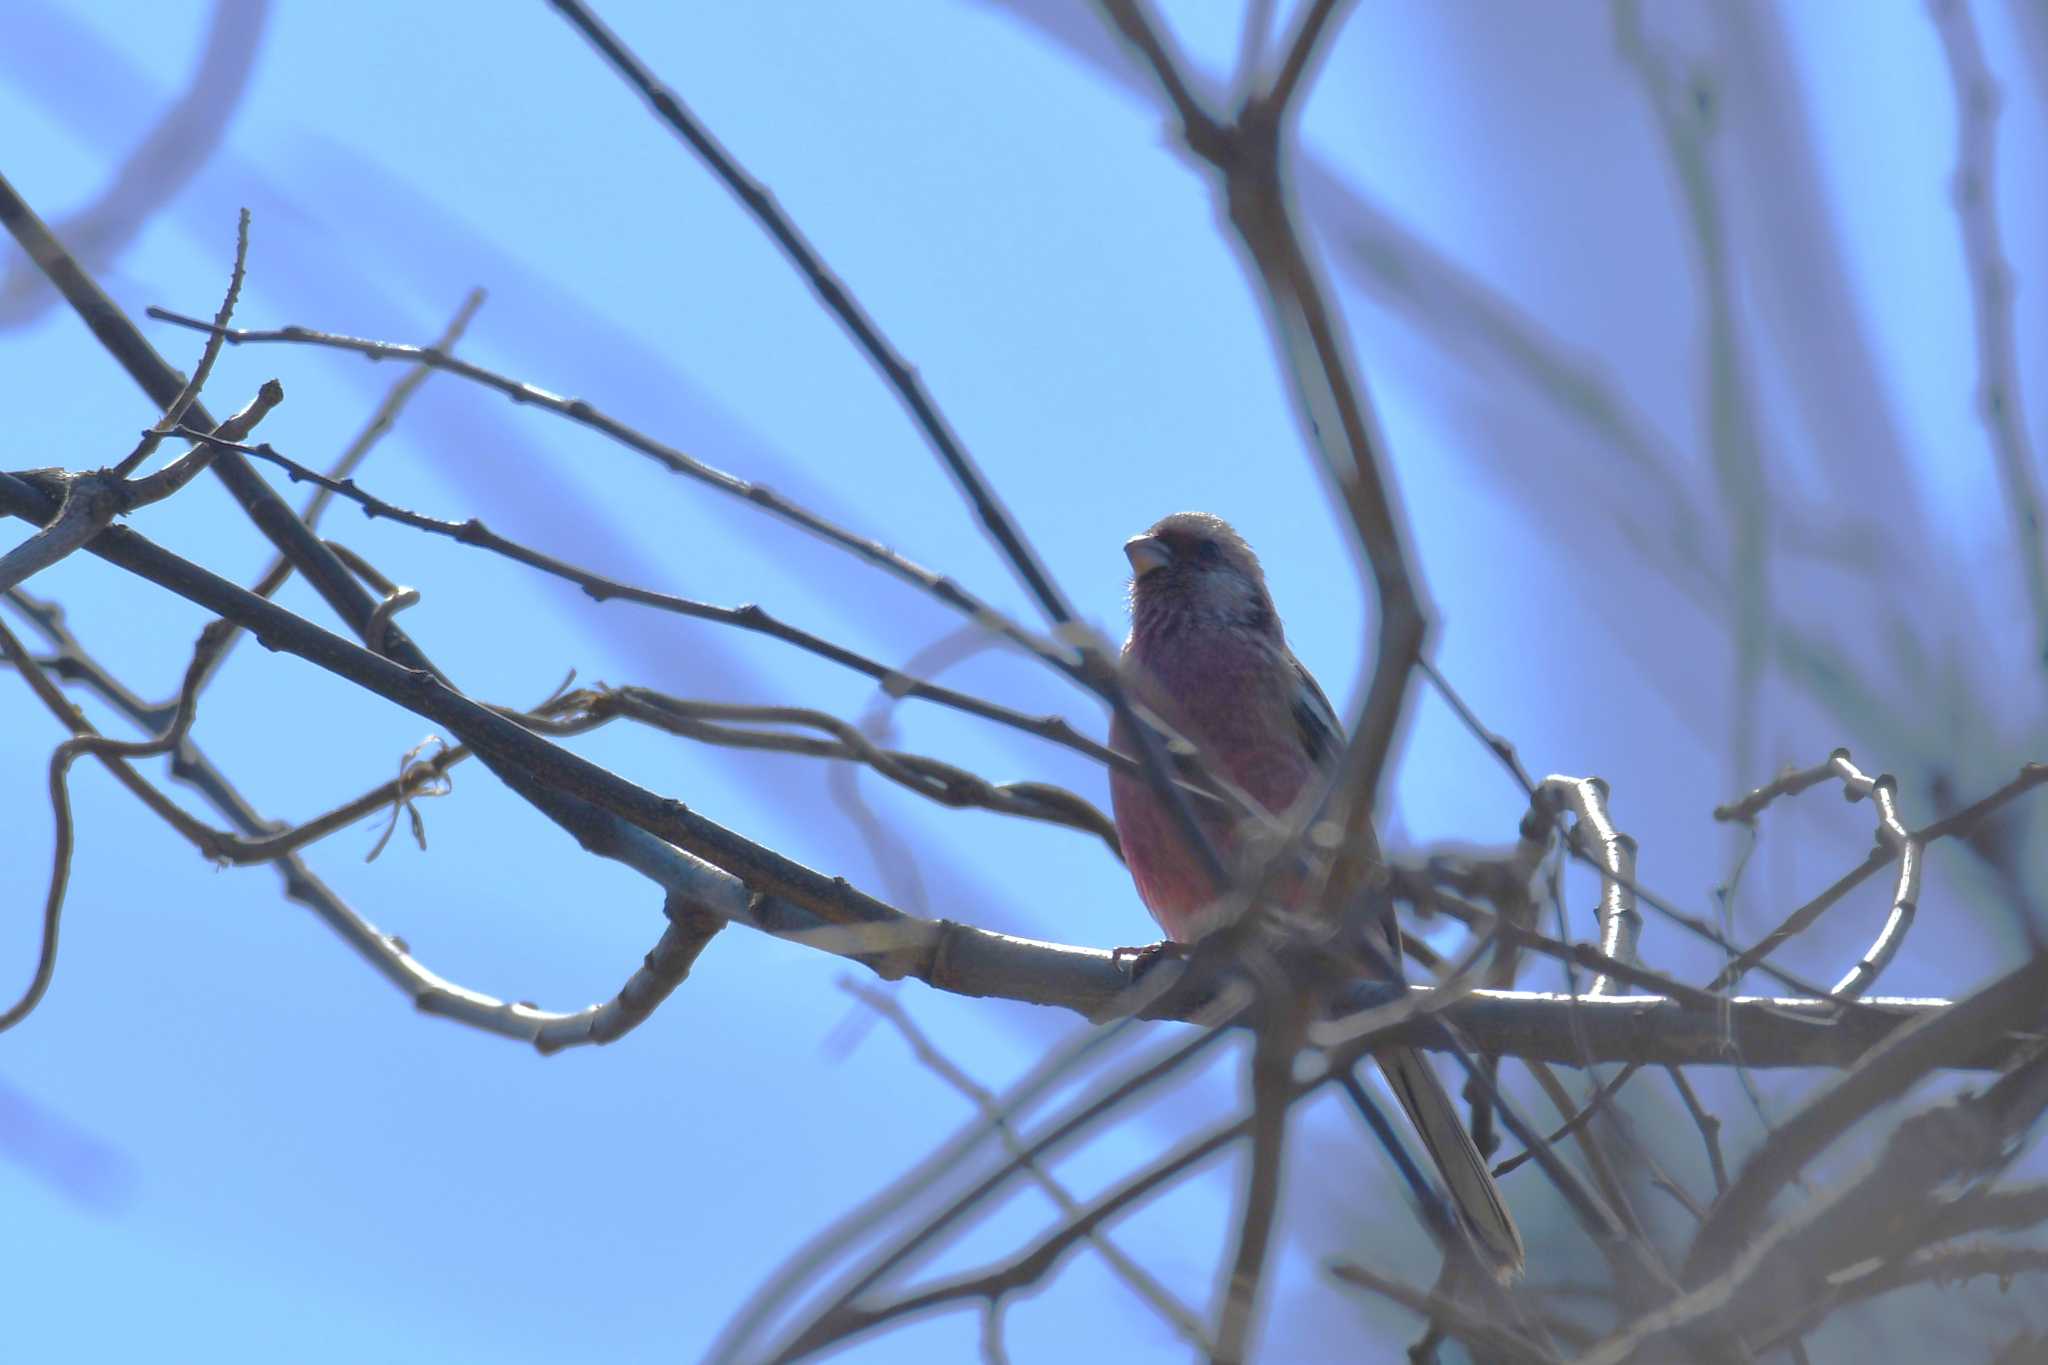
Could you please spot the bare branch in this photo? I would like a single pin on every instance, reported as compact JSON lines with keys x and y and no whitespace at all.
{"x":872,"y":552}
{"x":1894,"y":842}
{"x":1250,"y":154}
{"x":1141,"y":1282}
{"x":665,"y":967}
{"x":750,"y":617}
{"x":1680,"y":106}
{"x":82,"y":741}
{"x":1999,"y":400}
{"x":1621,"y":924}
{"x":90,"y":501}
{"x":1278,"y":1038}
{"x":1085,"y":664}
{"x":174,"y":415}
{"x":761,"y":205}
{"x":2013,"y":1002}
{"x":955,"y":957}
{"x":215,"y":845}
{"x":162,"y":383}
{"x":174,"y":476}
{"x":864,"y":1219}
{"x":845,"y":1322}
{"x":1499,"y":878}
{"x":1453,"y":1316}
{"x":1303,"y":50}
{"x":841,"y":1317}
{"x":1599,"y":1100}
{"x":798,"y":902}
{"x":1949,"y":1265}
{"x":60,"y":870}
{"x":1709,"y":1126}
{"x":928,"y":777}
{"x":1771,"y":1286}
{"x":1495,"y":743}
{"x":381,"y":421}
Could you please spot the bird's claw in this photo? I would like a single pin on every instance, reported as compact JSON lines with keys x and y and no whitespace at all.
{"x":1144,"y":959}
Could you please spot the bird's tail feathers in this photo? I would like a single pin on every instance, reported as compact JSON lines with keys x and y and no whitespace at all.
{"x":1456,"y":1158}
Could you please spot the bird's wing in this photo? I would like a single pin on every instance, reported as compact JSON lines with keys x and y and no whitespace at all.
{"x":1322,"y":734}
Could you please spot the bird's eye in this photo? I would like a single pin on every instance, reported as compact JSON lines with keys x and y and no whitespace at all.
{"x":1208,"y":552}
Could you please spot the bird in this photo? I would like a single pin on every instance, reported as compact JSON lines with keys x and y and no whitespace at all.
{"x":1208,"y":656}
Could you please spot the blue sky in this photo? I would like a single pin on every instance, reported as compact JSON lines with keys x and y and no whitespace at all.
{"x":271,"y":1155}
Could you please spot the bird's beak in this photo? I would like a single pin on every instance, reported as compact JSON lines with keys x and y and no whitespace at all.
{"x":1147,"y":553}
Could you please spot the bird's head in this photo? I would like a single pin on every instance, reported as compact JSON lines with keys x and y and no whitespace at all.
{"x":1192,"y":570}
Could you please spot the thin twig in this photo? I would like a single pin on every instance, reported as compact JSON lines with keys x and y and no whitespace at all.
{"x":381,"y":422}
{"x":1894,"y":842}
{"x":928,"y":777}
{"x":114,"y":331}
{"x":1454,"y":1317}
{"x":1250,"y":152}
{"x":1612,"y":1192}
{"x":1709,"y":1126}
{"x":90,"y":501}
{"x":1278,"y":1038}
{"x":1999,"y":400}
{"x":1077,"y":656}
{"x":1302,"y":51}
{"x":880,"y":1210}
{"x":1141,"y":1282}
{"x":1682,"y":108}
{"x":61,"y":760}
{"x":750,"y":617}
{"x":1601,"y":1096}
{"x":845,"y":1319}
{"x":1944,"y":1266}
{"x":2011,"y":1002}
{"x":216,"y":845}
{"x":838,"y":300}
{"x":1495,"y":743}
{"x":1536,"y":826}
{"x":1775,"y":1273}
{"x":174,"y":415}
{"x":665,"y":967}
{"x":797,"y":902}
{"x":873,"y":552}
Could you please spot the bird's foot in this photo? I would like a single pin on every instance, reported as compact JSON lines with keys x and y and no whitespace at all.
{"x":1143,"y":960}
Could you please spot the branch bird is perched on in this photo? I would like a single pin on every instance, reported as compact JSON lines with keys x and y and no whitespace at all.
{"x":1207,"y":655}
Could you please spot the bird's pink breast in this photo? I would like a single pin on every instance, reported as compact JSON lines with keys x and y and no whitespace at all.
{"x":1235,"y":699}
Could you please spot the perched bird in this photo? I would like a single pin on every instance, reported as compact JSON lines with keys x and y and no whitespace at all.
{"x":1207,"y":655}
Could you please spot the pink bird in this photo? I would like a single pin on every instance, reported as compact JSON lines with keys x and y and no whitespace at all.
{"x":1207,"y":655}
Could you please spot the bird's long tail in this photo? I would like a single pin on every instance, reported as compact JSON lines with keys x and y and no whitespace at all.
{"x":1443,"y":1134}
